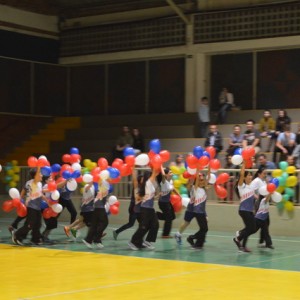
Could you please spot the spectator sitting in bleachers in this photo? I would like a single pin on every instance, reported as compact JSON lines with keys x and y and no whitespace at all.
{"x":214,"y":139}
{"x":235,"y":140}
{"x":267,"y":128}
{"x":263,"y":162}
{"x":285,"y":144}
{"x":138,"y":141}
{"x":251,"y":136}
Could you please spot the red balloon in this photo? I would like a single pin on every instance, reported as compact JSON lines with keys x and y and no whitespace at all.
{"x":47,"y":213}
{"x":156,"y":161}
{"x":115,"y":180}
{"x":271,"y":187}
{"x":203,"y":162}
{"x":186,"y":175}
{"x":42,"y":162}
{"x":66,"y":167}
{"x":96,"y":171}
{"x":52,"y":186}
{"x":175,"y":199}
{"x":32,"y":162}
{"x":22,"y":210}
{"x":117,"y":163}
{"x":248,"y":163}
{"x":165,"y":155}
{"x":117,"y":203}
{"x":248,"y":153}
{"x":151,"y":154}
{"x":75,"y":158}
{"x":211,"y":151}
{"x":96,"y":178}
{"x":215,"y":164}
{"x":130,"y":160}
{"x":16,"y":202}
{"x":103,"y":163}
{"x":79,"y":179}
{"x":66,"y":158}
{"x":220,"y":191}
{"x":53,"y":214}
{"x":192,"y":161}
{"x":177,"y":206}
{"x":222,"y":178}
{"x":114,"y":210}
{"x":7,"y":206}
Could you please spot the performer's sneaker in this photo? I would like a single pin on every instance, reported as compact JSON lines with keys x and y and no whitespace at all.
{"x":132,"y":246}
{"x":178,"y":238}
{"x":148,"y":245}
{"x":115,"y":235}
{"x":237,"y":242}
{"x":67,"y":231}
{"x":190,"y":240}
{"x":89,"y":245}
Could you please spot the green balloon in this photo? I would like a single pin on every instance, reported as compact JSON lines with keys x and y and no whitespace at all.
{"x":183,"y":190}
{"x":175,"y":177}
{"x":286,"y":197}
{"x":280,"y":205}
{"x":283,"y":165}
{"x":281,"y":180}
{"x":290,"y":192}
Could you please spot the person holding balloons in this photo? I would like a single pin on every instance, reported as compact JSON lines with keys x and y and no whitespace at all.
{"x":148,"y":218}
{"x":262,"y":220}
{"x":246,"y":193}
{"x":99,"y":219}
{"x":134,"y":206}
{"x":166,"y":187}
{"x":34,"y":197}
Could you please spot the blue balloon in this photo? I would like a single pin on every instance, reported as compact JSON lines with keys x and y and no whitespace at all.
{"x":238,"y":151}
{"x":154,"y":145}
{"x":113,"y":173}
{"x":55,"y":168}
{"x":74,"y":150}
{"x":44,"y":204}
{"x":46,"y":171}
{"x":96,"y":186}
{"x":205,"y":153}
{"x":76,"y":174}
{"x":198,"y":151}
{"x":275,"y":181}
{"x":128,"y":151}
{"x":66,"y":174}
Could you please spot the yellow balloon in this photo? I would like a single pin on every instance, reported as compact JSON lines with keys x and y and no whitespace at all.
{"x":16,"y":169}
{"x":291,"y":181}
{"x":280,"y":189}
{"x":91,"y":165}
{"x":183,"y":180}
{"x":289,"y":206}
{"x":175,"y":170}
{"x":177,"y":183}
{"x":81,"y":190}
{"x":277,"y":173}
{"x":16,"y":177}
{"x":182,"y":170}
{"x":290,"y":169}
{"x":14,"y":162}
{"x":86,"y":162}
{"x":12,"y":184}
{"x":10,"y":172}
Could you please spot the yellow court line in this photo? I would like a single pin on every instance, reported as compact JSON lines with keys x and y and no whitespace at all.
{"x":38,"y":273}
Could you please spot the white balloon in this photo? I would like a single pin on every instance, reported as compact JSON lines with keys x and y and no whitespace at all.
{"x":87,"y":178}
{"x":191,"y":171}
{"x":213,"y":170}
{"x":276,"y":197}
{"x":43,"y":156}
{"x":55,"y":195}
{"x":112,"y":200}
{"x":185,"y":201}
{"x":237,"y":159}
{"x":263,"y":190}
{"x":104,"y":174}
{"x":0,"y":168}
{"x":142,"y":160}
{"x":57,"y":208}
{"x":14,"y":193}
{"x":212,"y":179}
{"x":76,"y":167}
{"x":71,"y":184}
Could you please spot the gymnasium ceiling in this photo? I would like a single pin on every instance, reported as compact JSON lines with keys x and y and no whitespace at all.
{"x":81,"y":8}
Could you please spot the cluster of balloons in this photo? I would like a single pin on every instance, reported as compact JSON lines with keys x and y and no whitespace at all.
{"x":285,"y":181}
{"x":113,"y":205}
{"x":12,"y":174}
{"x":241,"y":155}
{"x":16,"y":202}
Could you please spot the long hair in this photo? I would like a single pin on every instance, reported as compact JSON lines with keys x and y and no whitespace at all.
{"x":259,"y":171}
{"x":142,"y":184}
{"x":237,"y":182}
